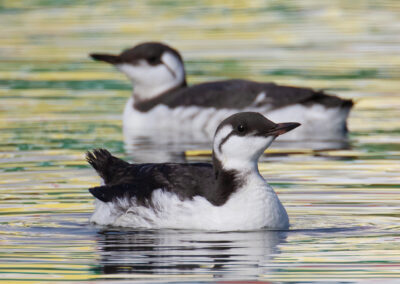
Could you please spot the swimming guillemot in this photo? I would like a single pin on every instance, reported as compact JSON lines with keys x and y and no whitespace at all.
{"x":162,"y":99}
{"x":229,"y":194}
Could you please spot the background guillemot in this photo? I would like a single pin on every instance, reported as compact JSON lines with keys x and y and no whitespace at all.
{"x":230,"y":194}
{"x":162,"y":99}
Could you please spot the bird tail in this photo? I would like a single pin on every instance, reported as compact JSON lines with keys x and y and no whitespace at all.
{"x":105,"y":164}
{"x":346,"y":108}
{"x":342,"y":109}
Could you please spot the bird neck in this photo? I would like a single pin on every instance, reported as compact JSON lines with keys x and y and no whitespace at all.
{"x":147,"y":104}
{"x":148,"y":92}
{"x":229,"y":180}
{"x":238,"y":164}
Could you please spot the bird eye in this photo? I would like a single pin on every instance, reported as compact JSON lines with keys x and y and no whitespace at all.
{"x":240,"y":128}
{"x":152,"y":60}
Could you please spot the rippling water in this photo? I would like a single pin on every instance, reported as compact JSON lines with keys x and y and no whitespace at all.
{"x":55,"y":104}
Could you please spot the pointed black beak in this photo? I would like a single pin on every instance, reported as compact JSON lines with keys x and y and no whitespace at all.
{"x":109,"y":58}
{"x":282,"y":128}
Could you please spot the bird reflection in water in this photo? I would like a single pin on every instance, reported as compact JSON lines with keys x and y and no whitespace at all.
{"x":176,"y":252}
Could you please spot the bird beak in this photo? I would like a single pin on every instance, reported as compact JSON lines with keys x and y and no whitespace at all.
{"x":282,"y":128}
{"x":109,"y":58}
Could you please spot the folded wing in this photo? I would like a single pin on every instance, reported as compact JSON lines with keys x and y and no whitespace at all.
{"x":124,"y":180}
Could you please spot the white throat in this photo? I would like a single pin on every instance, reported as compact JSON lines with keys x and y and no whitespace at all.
{"x":150,"y":81}
{"x":239,"y":153}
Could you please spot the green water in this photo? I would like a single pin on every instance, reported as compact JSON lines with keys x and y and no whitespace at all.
{"x":55,"y":103}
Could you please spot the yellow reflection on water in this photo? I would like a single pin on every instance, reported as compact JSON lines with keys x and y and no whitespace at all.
{"x":55,"y":104}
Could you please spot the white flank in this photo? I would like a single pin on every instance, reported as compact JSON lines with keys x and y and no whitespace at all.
{"x":197,"y":121}
{"x":318,"y":122}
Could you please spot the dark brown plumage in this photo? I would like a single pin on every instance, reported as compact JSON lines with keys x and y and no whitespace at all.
{"x":240,"y":94}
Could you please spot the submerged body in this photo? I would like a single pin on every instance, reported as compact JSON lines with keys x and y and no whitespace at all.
{"x":229,"y":194}
{"x":161,"y":98}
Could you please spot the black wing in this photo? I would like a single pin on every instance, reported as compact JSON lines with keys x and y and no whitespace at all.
{"x":239,"y":94}
{"x":140,"y":180}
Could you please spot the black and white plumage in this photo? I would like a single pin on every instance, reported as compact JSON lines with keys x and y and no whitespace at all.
{"x":229,"y":194}
{"x":162,"y":99}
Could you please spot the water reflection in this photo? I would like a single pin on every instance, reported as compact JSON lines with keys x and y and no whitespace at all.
{"x":162,"y":146}
{"x":176,"y":252}
{"x":170,"y":146}
{"x":56,"y":104}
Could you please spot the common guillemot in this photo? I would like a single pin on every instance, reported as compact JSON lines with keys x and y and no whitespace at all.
{"x":161,"y":98}
{"x":229,"y":194}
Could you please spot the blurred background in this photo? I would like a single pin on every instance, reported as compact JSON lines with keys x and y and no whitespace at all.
{"x":55,"y":103}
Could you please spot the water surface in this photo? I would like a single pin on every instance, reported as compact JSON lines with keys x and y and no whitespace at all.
{"x":55,"y":104}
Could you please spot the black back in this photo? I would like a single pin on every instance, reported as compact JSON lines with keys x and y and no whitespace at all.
{"x":140,"y":180}
{"x":240,"y":94}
